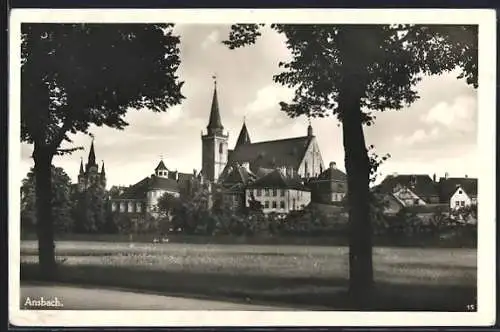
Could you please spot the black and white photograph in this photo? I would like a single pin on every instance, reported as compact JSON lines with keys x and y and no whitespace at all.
{"x":252,"y":167}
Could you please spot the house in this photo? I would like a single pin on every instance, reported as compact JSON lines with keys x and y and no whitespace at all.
{"x":410,"y":189}
{"x":234,"y":185}
{"x":143,"y":196}
{"x":458,"y":192}
{"x":278,"y":192}
{"x":330,"y":187}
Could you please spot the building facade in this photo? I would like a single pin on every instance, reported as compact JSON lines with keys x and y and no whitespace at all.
{"x":143,"y":196}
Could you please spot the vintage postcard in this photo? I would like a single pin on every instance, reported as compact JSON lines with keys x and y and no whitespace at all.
{"x":252,"y":167}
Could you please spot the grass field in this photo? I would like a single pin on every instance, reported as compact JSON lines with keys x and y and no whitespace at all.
{"x":311,"y":276}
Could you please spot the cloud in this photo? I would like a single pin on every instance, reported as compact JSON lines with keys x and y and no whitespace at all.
{"x":211,"y":39}
{"x":419,"y":136}
{"x":458,"y":114}
{"x":268,"y":98}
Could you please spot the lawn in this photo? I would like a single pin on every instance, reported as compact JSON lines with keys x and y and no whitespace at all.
{"x":309,"y":276}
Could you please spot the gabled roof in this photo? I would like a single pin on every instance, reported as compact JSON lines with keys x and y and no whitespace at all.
{"x":276,"y":179}
{"x":448,"y":186}
{"x":420,"y":184}
{"x":272,"y":154}
{"x":238,"y":174}
{"x":333,"y":174}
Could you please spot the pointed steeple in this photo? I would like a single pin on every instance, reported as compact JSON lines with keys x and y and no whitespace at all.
{"x":91,"y":154}
{"x":214,"y":124}
{"x":103,"y":171}
{"x":81,"y":166}
{"x":244,"y":137}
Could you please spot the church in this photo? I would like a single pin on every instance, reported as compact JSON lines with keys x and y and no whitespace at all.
{"x":283,"y":174}
{"x":89,"y":174}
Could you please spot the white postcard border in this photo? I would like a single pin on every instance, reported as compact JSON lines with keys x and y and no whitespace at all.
{"x":486,"y":190}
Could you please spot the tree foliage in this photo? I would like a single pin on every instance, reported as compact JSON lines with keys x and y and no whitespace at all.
{"x":352,"y":71}
{"x":389,"y":61}
{"x":90,"y":211}
{"x":77,"y":75}
{"x":61,"y":201}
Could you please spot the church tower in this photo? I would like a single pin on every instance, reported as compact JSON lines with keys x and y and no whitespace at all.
{"x":90,"y":175}
{"x":214,"y":143}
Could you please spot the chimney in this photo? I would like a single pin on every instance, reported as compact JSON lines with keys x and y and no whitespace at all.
{"x":446,"y":175}
{"x":333,"y":165}
{"x":434,"y":177}
{"x":466,"y":176}
{"x":394,"y":174}
{"x":194,"y":172}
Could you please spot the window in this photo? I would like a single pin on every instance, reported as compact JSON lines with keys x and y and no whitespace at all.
{"x":266,"y":192}
{"x":415,"y":201}
{"x":275,"y":192}
{"x":138,"y":207}
{"x":457,"y":203}
{"x":221,"y":147}
{"x":113,"y":206}
{"x":259,"y":192}
{"x":266,"y":204}
{"x":275,"y":204}
{"x":460,"y":191}
{"x":462,"y":203}
{"x":282,"y":192}
{"x":282,"y":204}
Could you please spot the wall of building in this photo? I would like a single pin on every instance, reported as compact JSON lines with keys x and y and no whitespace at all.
{"x":460,"y":199}
{"x":280,"y":200}
{"x":214,"y":156}
{"x":128,"y":206}
{"x":154,"y":195}
{"x":312,"y":163}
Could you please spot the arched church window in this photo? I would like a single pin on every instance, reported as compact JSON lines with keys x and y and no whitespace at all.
{"x":221,"y":147}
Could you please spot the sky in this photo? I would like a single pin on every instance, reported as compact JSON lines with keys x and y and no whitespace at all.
{"x":435,"y":135}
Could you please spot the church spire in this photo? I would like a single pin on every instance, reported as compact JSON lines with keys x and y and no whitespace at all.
{"x":91,"y":154}
{"x":103,"y":171}
{"x":215,"y":125}
{"x":81,"y":166}
{"x":244,"y":137}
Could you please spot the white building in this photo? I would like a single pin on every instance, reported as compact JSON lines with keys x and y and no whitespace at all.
{"x":279,"y":193}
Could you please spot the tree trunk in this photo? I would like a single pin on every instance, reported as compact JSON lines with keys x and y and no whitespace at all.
{"x":45,"y":227}
{"x":358,"y":169}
